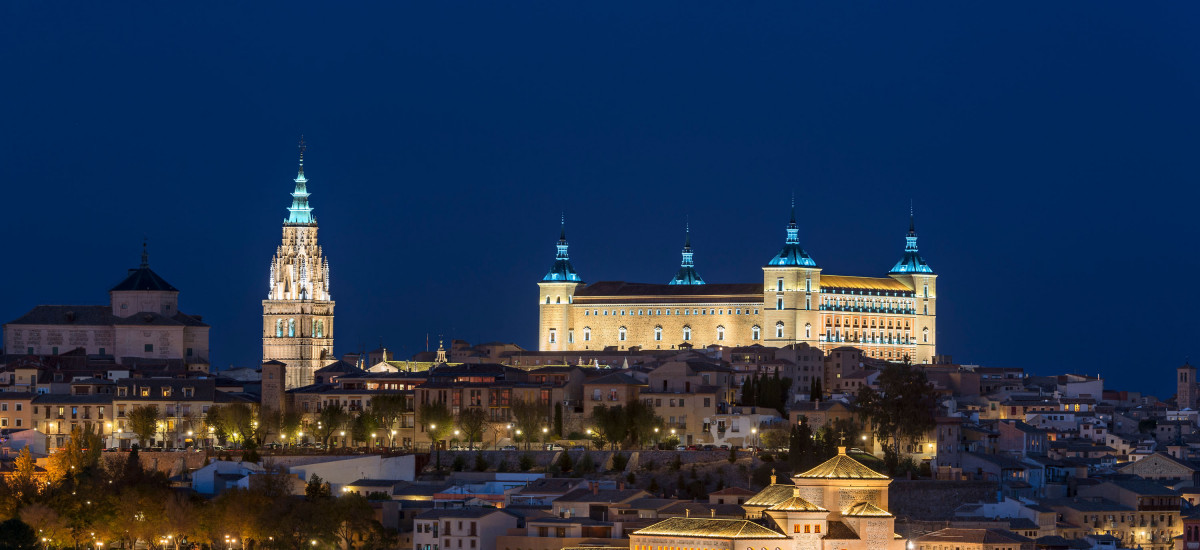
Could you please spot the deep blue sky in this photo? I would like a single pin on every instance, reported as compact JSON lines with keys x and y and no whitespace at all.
{"x":1049,"y":148}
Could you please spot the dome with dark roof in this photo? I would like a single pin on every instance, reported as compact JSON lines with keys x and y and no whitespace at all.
{"x":143,"y":278}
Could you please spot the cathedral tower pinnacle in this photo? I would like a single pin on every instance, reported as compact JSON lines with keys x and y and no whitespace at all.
{"x":298,"y":311}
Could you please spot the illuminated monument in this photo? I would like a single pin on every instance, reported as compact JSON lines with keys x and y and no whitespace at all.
{"x":298,"y":311}
{"x":839,"y":505}
{"x":889,"y":318}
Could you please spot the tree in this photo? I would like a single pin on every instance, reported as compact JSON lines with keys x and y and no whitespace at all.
{"x":814,"y":390}
{"x":17,"y":535}
{"x":749,"y":395}
{"x":472,"y":421}
{"x":640,"y":423}
{"x":266,"y":422}
{"x":801,"y":445}
{"x":388,"y":408}
{"x":353,"y":516}
{"x":363,"y":426}
{"x":610,"y":423}
{"x":774,"y":438}
{"x":215,"y":423}
{"x":81,"y":452}
{"x":240,"y":419}
{"x":330,"y":419}
{"x":528,"y":415}
{"x":438,"y":423}
{"x":143,"y":422}
{"x":901,"y":411}
{"x":558,"y":419}
{"x":290,"y":424}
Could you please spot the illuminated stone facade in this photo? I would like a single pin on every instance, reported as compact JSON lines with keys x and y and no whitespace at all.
{"x":839,"y":505}
{"x":298,"y":312}
{"x":889,"y":318}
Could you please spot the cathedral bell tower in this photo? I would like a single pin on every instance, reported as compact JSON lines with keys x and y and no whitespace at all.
{"x":298,"y":311}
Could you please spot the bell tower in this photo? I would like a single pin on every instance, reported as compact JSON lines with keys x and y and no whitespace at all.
{"x":298,"y":311}
{"x":791,"y":293}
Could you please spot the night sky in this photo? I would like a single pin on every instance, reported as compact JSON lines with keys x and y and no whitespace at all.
{"x":1049,"y":150}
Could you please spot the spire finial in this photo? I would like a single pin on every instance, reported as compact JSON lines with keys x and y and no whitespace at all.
{"x":562,"y":233}
{"x":302,"y":146}
{"x":912,"y":224}
{"x":793,"y":207}
{"x":145,"y":254}
{"x":687,"y":232}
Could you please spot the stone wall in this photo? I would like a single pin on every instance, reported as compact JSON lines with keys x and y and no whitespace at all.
{"x":936,"y":500}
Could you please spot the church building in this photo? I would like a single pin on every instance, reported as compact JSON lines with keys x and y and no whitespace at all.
{"x":298,"y":312}
{"x":141,"y":325}
{"x":839,"y":505}
{"x":890,"y":318}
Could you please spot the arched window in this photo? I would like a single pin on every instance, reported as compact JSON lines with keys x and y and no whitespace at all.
{"x":755,"y":332}
{"x":553,"y":336}
{"x":658,"y":333}
{"x":720,"y":333}
{"x":279,"y":328}
{"x":558,"y":299}
{"x":807,"y":330}
{"x":571,"y":336}
{"x":687,"y":333}
{"x":291,"y":328}
{"x":621,"y":334}
{"x":925,"y":335}
{"x":547,"y":298}
{"x":779,"y":329}
{"x":587,"y":334}
{"x":320,"y":329}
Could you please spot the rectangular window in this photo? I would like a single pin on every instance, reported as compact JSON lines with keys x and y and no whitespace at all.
{"x":189,"y":352}
{"x":779,"y":303}
{"x":779,"y":284}
{"x":149,"y":347}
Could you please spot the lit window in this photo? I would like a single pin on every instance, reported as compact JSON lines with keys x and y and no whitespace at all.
{"x":621,"y":334}
{"x":754,"y":332}
{"x":779,"y":329}
{"x":720,"y":334}
{"x":553,"y":336}
{"x":687,"y":333}
{"x":658,"y":334}
{"x":587,"y":334}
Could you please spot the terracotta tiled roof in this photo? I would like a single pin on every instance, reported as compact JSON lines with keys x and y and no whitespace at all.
{"x":842,"y":467}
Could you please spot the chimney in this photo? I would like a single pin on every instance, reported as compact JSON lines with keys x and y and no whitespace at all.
{"x":620,"y":485}
{"x":595,"y":487}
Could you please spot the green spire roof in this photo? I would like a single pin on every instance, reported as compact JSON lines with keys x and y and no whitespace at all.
{"x":300,"y":213}
{"x":792,"y":254}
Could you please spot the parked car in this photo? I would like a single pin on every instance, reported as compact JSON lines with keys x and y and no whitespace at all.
{"x":508,"y":448}
{"x":681,"y":447}
{"x":724,"y":447}
{"x":693,"y":447}
{"x":553,"y":447}
{"x":579,"y":448}
{"x":709,"y":447}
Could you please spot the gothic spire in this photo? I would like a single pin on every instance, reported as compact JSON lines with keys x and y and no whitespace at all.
{"x":300,"y":213}
{"x":145,"y":255}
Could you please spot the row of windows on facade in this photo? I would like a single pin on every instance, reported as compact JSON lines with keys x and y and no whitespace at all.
{"x":623,"y":333}
{"x":289,"y":326}
{"x":835,"y":335}
{"x":145,"y":391}
{"x":699,"y":311}
{"x":432,"y":528}
{"x":148,"y":348}
{"x":837,"y":321}
{"x":871,"y":303}
{"x":808,"y":288}
{"x":170,"y":410}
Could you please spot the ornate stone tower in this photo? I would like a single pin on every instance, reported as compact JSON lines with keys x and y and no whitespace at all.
{"x":916,"y":274}
{"x":556,"y":292}
{"x":791,"y":293}
{"x":298,"y":311}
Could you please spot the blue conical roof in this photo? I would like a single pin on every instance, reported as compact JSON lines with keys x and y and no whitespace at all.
{"x":562,"y":269}
{"x":687,"y":268}
{"x":911,"y":262}
{"x":792,"y":254}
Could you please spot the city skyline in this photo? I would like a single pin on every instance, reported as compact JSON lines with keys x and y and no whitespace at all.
{"x":1047,"y":165}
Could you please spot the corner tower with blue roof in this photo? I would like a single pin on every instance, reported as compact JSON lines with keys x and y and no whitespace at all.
{"x":556,"y":293}
{"x":915,"y":273}
{"x":687,"y":267}
{"x":791,"y":285}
